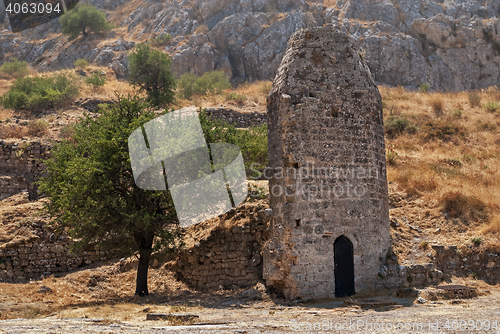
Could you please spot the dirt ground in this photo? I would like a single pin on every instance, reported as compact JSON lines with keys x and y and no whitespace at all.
{"x":99,"y":298}
{"x":233,"y":312}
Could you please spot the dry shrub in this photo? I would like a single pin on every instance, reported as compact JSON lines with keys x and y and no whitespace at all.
{"x":458,"y":205}
{"x":416,"y":181}
{"x":437,"y":104}
{"x":443,"y":130}
{"x":492,"y":227}
{"x":37,"y":128}
{"x":202,"y":29}
{"x":494,"y":93}
{"x":474,"y":99}
{"x":67,"y":132}
{"x":12,"y":131}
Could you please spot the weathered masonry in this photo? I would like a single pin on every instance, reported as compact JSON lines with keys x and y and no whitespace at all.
{"x":330,"y":229}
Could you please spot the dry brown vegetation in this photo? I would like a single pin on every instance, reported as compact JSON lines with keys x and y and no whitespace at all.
{"x":453,"y":156}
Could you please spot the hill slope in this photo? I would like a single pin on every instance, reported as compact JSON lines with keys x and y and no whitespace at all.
{"x":452,"y":45}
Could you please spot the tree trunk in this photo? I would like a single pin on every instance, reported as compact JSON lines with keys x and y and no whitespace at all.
{"x":141,"y":285}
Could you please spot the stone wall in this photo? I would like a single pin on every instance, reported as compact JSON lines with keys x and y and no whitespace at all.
{"x":239,"y":119}
{"x":45,"y":253}
{"x":469,"y":261}
{"x":19,"y":166}
{"x":228,"y":256}
{"x":326,"y":147}
{"x":416,"y":275}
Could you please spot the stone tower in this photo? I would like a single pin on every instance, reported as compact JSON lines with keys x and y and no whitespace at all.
{"x":330,"y":228}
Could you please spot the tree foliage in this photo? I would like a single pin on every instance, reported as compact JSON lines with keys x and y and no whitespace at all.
{"x":84,"y":19}
{"x":150,"y":70}
{"x":93,"y":194}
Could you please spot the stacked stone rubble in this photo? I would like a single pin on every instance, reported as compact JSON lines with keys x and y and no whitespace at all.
{"x":20,"y":165}
{"x":45,"y":254}
{"x":227,"y":258}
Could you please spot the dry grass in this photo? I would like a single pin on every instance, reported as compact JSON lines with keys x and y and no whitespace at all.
{"x":451,"y":160}
{"x":250,"y":94}
{"x":437,"y":103}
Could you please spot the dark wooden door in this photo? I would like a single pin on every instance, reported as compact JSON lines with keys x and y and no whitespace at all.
{"x":344,"y":267}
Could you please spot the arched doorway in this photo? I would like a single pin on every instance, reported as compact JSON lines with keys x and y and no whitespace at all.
{"x":344,"y":267}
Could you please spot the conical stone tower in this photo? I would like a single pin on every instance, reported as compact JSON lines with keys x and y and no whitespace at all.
{"x":330,"y":229}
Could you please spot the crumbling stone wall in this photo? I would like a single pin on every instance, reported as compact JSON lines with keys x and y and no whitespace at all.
{"x":326,"y":147}
{"x":238,"y":119}
{"x":472,"y":260}
{"x":228,"y":256}
{"x":46,"y":253}
{"x":19,"y":166}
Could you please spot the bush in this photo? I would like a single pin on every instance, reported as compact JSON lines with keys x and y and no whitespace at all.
{"x":209,"y":83}
{"x":458,"y":113}
{"x":150,"y":70}
{"x":492,"y":106}
{"x":96,"y":80}
{"x":469,"y":158}
{"x":252,"y":141}
{"x":424,"y":88}
{"x":415,"y":182}
{"x":265,"y":87}
{"x":395,"y":126}
{"x":162,"y":40}
{"x":213,"y":83}
{"x":36,"y":93}
{"x":458,"y":205}
{"x":84,"y":19}
{"x":437,"y":104}
{"x":391,"y":156}
{"x":37,"y":128}
{"x":474,"y":99}
{"x":239,"y":99}
{"x":67,"y":132}
{"x":187,"y":85}
{"x":15,"y":68}
{"x":443,"y":130}
{"x":492,"y":127}
{"x":81,"y":63}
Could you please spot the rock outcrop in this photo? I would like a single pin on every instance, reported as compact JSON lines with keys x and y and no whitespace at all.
{"x":452,"y":45}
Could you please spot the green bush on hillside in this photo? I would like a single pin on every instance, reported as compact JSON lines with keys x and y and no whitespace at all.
{"x":162,"y":40}
{"x":37,"y":93}
{"x":15,"y":68}
{"x":81,"y":63}
{"x":96,"y":80}
{"x":214,"y":82}
{"x":395,"y":126}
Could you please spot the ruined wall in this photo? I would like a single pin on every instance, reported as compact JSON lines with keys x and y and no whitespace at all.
{"x":326,"y":146}
{"x":239,"y":119}
{"x":227,"y":257}
{"x":18,"y":166}
{"x":470,"y":261}
{"x":45,"y":253}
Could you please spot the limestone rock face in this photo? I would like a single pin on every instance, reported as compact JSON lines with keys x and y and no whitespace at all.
{"x":452,"y":45}
{"x":327,"y":156}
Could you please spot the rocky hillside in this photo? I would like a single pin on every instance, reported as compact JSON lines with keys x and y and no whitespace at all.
{"x":452,"y":45}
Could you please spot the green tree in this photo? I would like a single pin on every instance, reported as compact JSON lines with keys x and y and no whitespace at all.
{"x":150,"y":70}
{"x":83,"y":18}
{"x":93,"y":194}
